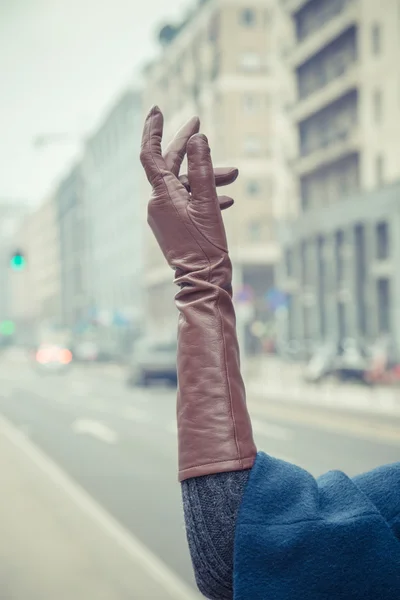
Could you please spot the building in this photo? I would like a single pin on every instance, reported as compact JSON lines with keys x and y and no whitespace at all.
{"x":341,"y":254}
{"x":226,"y":63}
{"x":69,"y":198}
{"x":36,"y":290}
{"x":114,"y":214}
{"x":11,"y":214}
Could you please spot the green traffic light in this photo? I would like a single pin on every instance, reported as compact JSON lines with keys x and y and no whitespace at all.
{"x":17,"y":262}
{"x":7,"y":328}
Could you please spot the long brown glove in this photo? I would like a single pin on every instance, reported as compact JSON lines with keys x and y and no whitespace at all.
{"x":214,"y":428}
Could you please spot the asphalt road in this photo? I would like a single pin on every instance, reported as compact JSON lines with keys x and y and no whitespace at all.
{"x":120,"y":445}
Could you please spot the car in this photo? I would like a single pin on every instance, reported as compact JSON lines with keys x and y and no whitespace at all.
{"x":153,"y":360}
{"x":86,"y":351}
{"x":52,"y":358}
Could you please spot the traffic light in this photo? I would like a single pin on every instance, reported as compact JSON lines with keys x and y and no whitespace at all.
{"x":7,"y":328}
{"x":17,"y":261}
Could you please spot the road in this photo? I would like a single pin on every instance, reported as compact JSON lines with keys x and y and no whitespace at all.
{"x":120,"y":444}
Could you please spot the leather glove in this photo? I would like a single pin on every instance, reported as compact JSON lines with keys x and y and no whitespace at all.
{"x":214,"y":428}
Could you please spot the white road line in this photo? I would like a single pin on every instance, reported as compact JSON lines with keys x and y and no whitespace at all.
{"x":270,"y":430}
{"x":135,"y":414}
{"x":95,"y":429}
{"x":137,"y":551}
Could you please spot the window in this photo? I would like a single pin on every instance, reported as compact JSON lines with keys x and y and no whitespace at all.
{"x":216,"y":63}
{"x":213,"y":29}
{"x":250,"y":104}
{"x":253,"y":188}
{"x":250,"y":61}
{"x":360,"y":276}
{"x":252,"y":145}
{"x":268,"y":15}
{"x":382,"y":241}
{"x":303,"y":263}
{"x":255,"y":231}
{"x":247,"y":17}
{"x":289,"y":262}
{"x":377,"y":101}
{"x":384,"y":305}
{"x":376,"y":41}
{"x":379,"y":167}
{"x":339,"y":259}
{"x":321,"y":251}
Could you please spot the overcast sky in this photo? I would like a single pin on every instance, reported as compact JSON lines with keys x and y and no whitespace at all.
{"x":62,"y":62}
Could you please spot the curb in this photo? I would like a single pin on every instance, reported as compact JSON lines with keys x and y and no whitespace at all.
{"x":373,"y":404}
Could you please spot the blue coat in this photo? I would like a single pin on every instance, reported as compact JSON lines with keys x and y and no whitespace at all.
{"x":331,"y":538}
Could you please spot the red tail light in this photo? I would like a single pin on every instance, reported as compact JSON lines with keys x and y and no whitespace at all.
{"x":65,"y":357}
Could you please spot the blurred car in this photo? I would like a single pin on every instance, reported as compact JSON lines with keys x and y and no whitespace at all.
{"x":86,"y":351}
{"x":153,"y":360}
{"x":346,"y":361}
{"x":52,"y":358}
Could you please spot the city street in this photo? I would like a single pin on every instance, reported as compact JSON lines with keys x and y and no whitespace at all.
{"x":119,"y":444}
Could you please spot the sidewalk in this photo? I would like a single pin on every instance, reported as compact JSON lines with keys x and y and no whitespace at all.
{"x":52,"y":548}
{"x":270,"y":378}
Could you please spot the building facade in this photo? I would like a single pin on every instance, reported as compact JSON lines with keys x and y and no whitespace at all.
{"x":114,"y":215}
{"x":36,"y":290}
{"x":69,"y":199}
{"x":226,"y":63}
{"x":340,"y":253}
{"x":11,"y":215}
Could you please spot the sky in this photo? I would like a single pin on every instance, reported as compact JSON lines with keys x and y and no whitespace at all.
{"x":62,"y":64}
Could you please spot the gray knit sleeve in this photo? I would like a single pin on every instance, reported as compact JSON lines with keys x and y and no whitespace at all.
{"x":211,"y":504}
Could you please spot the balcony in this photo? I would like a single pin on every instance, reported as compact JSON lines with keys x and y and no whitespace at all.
{"x":344,"y":143}
{"x":293,"y":6}
{"x":328,"y":94}
{"x":327,"y":33}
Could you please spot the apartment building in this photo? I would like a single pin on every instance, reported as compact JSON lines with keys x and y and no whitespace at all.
{"x":226,"y":63}
{"x":114,"y":215}
{"x":36,"y":290}
{"x":340,"y":255}
{"x":11,"y":215}
{"x":69,"y":199}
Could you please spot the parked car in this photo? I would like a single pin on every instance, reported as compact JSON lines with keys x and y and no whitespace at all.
{"x":86,"y":351}
{"x":52,"y":358}
{"x":153,"y":360}
{"x":347,"y":361}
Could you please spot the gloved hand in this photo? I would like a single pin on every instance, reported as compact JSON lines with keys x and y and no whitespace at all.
{"x":176,"y":151}
{"x":214,"y":429}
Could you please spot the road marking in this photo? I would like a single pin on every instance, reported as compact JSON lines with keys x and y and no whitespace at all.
{"x":364,"y":400}
{"x":339,"y":424}
{"x":136,"y":414}
{"x":270,"y":430}
{"x":95,"y":429}
{"x":134,"y":548}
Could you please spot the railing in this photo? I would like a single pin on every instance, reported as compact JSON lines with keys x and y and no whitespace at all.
{"x":325,"y":141}
{"x":323,"y":79}
{"x":318,"y":16}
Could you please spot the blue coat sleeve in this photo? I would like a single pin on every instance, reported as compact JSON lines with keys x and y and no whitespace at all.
{"x":331,"y":538}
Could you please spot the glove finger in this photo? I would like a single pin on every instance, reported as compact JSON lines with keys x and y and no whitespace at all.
{"x":150,"y":154}
{"x":223,"y":176}
{"x":225,"y":202}
{"x":201,"y":175}
{"x":176,"y":149}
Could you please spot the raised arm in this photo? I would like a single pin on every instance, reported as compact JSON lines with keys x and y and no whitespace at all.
{"x":214,"y":429}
